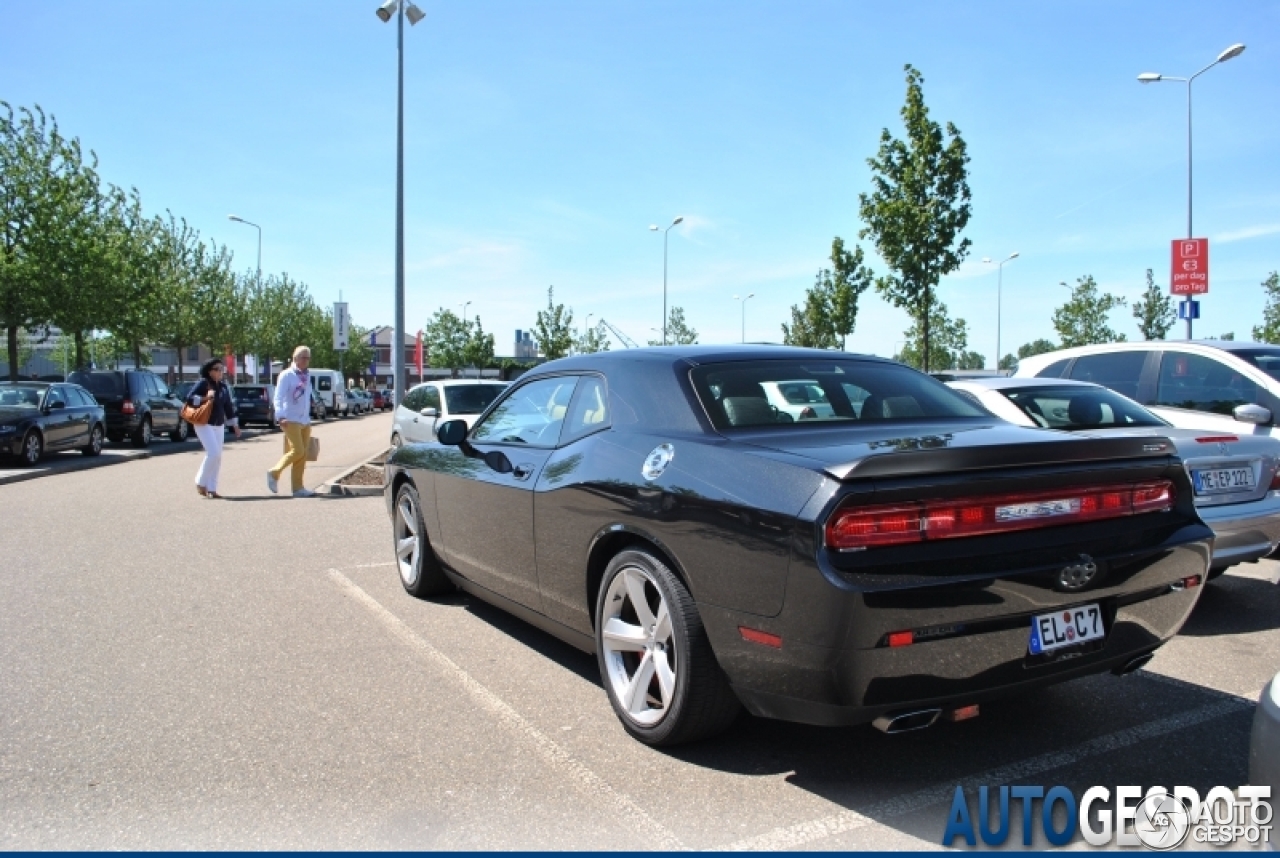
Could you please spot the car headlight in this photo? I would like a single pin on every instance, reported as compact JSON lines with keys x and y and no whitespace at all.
{"x":5,"y":430}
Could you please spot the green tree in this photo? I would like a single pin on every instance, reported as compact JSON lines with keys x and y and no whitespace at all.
{"x":446,"y":337}
{"x":479,"y":349}
{"x":1154,"y":311}
{"x":592,"y":340}
{"x":1026,"y":350}
{"x":678,"y":331}
{"x":1227,"y":336}
{"x":1269,"y":330}
{"x":1082,"y":321}
{"x":830,"y":310}
{"x":812,"y":324}
{"x":918,"y":206}
{"x":948,"y":345}
{"x":554,"y":328}
{"x":179,"y":256}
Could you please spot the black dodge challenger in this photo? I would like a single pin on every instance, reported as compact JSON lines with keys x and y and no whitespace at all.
{"x":812,"y":535}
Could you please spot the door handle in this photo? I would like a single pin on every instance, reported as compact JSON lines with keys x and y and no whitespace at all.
{"x":522,"y":472}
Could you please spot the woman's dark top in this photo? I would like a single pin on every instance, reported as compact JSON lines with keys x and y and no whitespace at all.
{"x":223,"y":410}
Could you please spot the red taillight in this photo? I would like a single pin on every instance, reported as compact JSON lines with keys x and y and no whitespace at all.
{"x":1275,"y":481}
{"x":898,"y":524}
{"x":1191,"y":581}
{"x":127,"y":407}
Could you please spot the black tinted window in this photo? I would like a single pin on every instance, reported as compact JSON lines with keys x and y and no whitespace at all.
{"x":1070,"y":408}
{"x":250,"y":394}
{"x":431,"y":397}
{"x":414,"y":399}
{"x":743,"y":394}
{"x":106,"y":383}
{"x":78,"y":398}
{"x":56,"y":397}
{"x":1054,"y":370}
{"x":1202,"y":384}
{"x":1119,"y":371}
{"x":471,"y":398}
{"x":1267,"y":360}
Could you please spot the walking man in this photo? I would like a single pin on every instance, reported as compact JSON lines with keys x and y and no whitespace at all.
{"x":293,"y":413}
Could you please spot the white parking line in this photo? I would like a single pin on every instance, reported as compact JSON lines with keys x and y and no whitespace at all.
{"x":658,"y":835}
{"x":373,"y":565}
{"x":789,"y":837}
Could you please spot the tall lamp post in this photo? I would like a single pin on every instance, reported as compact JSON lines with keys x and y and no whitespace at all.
{"x":654,"y":228}
{"x":999,"y":289}
{"x":1152,"y":77}
{"x":239,"y":219}
{"x":744,"y":313}
{"x":384,"y":12}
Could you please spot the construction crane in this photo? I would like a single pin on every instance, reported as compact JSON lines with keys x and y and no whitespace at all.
{"x":622,"y":338}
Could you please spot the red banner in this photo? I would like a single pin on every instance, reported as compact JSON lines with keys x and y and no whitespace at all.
{"x":229,"y":359}
{"x":419,"y":355}
{"x":1190,"y":275}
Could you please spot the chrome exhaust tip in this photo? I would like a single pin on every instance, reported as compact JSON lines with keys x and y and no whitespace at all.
{"x":905,"y":722}
{"x":1133,"y":664}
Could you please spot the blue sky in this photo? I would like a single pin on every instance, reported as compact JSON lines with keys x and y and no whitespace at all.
{"x":542,"y":139}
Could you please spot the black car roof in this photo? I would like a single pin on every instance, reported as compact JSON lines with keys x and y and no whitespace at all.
{"x":696,"y":355}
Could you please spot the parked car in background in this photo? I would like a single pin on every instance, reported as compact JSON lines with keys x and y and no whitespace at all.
{"x":255,"y":403}
{"x":1235,"y":479}
{"x":38,"y":418}
{"x":1264,"y":746}
{"x":378,"y":400}
{"x":362,"y":403}
{"x":180,"y":389}
{"x":1216,"y":385}
{"x":427,"y":405}
{"x":318,"y":409}
{"x":649,"y":506}
{"x":332,"y":389}
{"x":137,"y":402}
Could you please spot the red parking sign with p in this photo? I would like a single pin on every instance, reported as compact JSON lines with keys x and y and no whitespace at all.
{"x":1190,"y":274}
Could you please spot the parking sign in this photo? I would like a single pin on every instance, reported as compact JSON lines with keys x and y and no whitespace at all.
{"x":1190,"y":274}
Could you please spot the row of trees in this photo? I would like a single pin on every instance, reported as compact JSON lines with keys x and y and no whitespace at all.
{"x":80,"y":254}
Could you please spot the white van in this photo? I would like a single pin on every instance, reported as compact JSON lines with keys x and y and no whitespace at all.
{"x":1210,"y":385}
{"x":332,"y":391}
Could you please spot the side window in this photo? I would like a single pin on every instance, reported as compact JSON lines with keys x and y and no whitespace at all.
{"x":324,"y":383}
{"x":414,"y":398}
{"x":431,"y":397}
{"x":79,"y":398}
{"x":531,"y":414}
{"x":1201,"y":384}
{"x":589,"y":410}
{"x":162,"y":389}
{"x":1119,"y":371}
{"x":56,"y":395}
{"x":1054,"y":370}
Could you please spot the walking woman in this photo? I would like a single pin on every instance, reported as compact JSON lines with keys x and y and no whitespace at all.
{"x":211,"y":434}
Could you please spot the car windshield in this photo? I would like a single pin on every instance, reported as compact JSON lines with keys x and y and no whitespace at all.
{"x":26,"y":396}
{"x":470,"y":398}
{"x":743,"y":394}
{"x":99,"y":383}
{"x":1073,"y":408}
{"x":1267,"y":360}
{"x":248,"y":394}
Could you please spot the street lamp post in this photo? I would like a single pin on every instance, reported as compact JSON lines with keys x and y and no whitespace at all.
{"x":414,"y":14}
{"x":744,"y":313}
{"x":999,"y":290}
{"x":654,"y":228}
{"x":239,"y":219}
{"x":1153,"y":77}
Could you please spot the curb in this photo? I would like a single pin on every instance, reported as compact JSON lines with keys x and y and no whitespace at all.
{"x":83,"y":465}
{"x":331,"y":488}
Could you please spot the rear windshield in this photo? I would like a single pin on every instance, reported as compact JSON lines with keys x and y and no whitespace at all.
{"x":99,"y":383}
{"x":470,"y":398}
{"x":794,"y":392}
{"x":1267,"y":360}
{"x":248,"y":394}
{"x":1072,"y":408}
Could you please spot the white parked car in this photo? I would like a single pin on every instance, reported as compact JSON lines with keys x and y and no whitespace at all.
{"x":1236,"y":478}
{"x":428,"y":405}
{"x":333,"y":391}
{"x":1264,"y":747}
{"x":803,"y":400}
{"x":1216,"y":385}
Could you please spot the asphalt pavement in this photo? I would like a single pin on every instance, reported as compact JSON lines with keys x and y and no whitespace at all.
{"x":182,"y":673}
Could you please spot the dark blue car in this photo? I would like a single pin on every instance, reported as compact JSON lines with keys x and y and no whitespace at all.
{"x":38,"y":417}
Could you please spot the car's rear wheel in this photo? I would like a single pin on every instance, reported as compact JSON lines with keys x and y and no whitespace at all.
{"x":142,"y":437}
{"x":32,"y":448}
{"x":420,"y":572}
{"x":182,"y":433}
{"x":94,"y":447}
{"x":659,"y":671}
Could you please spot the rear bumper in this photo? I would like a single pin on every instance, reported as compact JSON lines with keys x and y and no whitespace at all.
{"x":1244,"y":531}
{"x":833,"y":667}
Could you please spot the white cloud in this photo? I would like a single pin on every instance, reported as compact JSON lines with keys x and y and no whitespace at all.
{"x":1247,"y":233}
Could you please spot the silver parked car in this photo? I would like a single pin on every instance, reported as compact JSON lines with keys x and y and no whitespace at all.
{"x":428,"y":405}
{"x":1234,"y":477}
{"x":1264,"y":745}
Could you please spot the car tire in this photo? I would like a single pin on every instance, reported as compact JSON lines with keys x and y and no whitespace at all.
{"x":94,"y":447}
{"x":1215,"y":572}
{"x":420,"y":572}
{"x":182,"y":433}
{"x":635,"y":645}
{"x":32,"y":449}
{"x":142,"y":438}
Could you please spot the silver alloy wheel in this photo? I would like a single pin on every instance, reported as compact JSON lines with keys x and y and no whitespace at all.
{"x":144,"y":434}
{"x":95,"y":440}
{"x":639,"y":652}
{"x":408,"y":539}
{"x":31,"y":448}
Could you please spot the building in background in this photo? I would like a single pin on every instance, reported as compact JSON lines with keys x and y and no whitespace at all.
{"x":525,"y":347}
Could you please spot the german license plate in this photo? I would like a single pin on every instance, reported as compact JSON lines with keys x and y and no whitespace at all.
{"x":1212,"y":481}
{"x":1067,"y":627}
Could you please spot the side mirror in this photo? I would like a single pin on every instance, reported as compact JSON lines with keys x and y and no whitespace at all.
{"x":430,"y":412}
{"x":451,"y":433}
{"x":1250,"y":413}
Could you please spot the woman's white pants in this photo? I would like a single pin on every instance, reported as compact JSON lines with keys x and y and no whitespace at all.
{"x":211,"y":437}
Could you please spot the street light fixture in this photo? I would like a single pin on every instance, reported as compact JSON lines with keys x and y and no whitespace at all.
{"x":654,"y":228}
{"x":1153,"y":77}
{"x":239,"y":219}
{"x":384,"y":13}
{"x":744,"y":313}
{"x":999,"y":290}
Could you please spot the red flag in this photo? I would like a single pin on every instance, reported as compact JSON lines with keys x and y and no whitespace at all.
{"x":229,"y":359}
{"x":419,"y":355}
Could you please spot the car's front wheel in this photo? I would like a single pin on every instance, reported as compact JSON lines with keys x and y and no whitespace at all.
{"x":94,"y":447}
{"x":659,"y":671}
{"x":32,"y":448}
{"x":420,"y":572}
